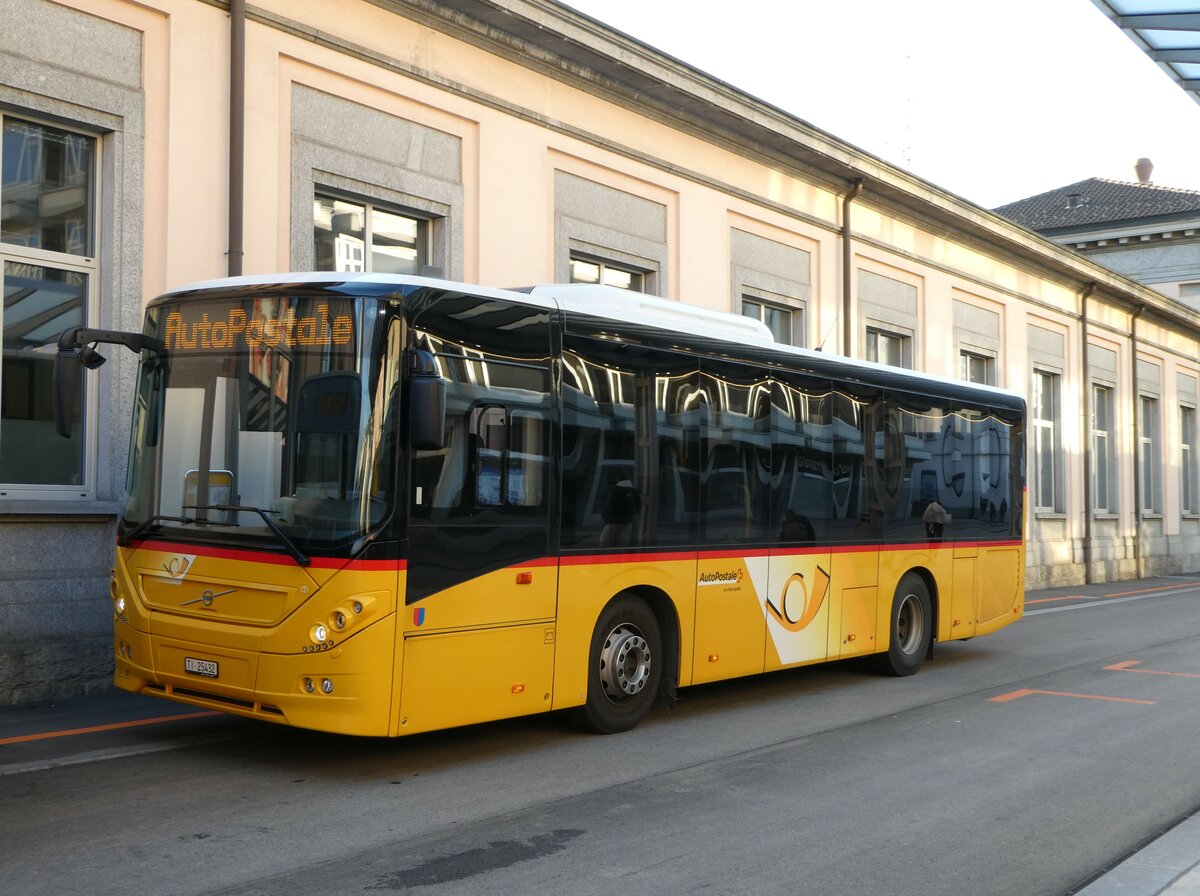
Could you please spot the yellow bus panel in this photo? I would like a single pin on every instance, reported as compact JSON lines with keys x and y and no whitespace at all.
{"x":459,"y":678}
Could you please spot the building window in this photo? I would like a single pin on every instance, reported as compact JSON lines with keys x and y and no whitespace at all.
{"x":976,"y":368}
{"x":1187,"y":460}
{"x":48,"y":266}
{"x":355,"y":236}
{"x":888,"y":348}
{"x":1149,"y":440}
{"x":1047,"y":453}
{"x":594,"y":270}
{"x":786,"y":324}
{"x":1102,"y":446}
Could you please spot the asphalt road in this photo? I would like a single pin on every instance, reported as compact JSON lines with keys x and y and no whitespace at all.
{"x":1027,"y":762}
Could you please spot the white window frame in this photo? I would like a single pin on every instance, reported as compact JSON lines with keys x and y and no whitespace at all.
{"x":1149,"y":439}
{"x":965,"y":359}
{"x":797,"y":325}
{"x":89,"y":266}
{"x":871,"y":345}
{"x":1046,"y":426}
{"x":354,"y":254}
{"x":1102,"y":448}
{"x":1187,"y":460}
{"x":639,"y":277}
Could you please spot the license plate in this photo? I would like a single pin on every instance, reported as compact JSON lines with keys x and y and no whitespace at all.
{"x":207,"y":668}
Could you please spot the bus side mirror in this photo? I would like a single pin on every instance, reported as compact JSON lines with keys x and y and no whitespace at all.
{"x":426,"y":402}
{"x":66,"y":366}
{"x":75,"y":346}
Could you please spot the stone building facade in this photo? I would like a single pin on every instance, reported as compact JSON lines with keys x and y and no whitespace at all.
{"x":510,"y":142}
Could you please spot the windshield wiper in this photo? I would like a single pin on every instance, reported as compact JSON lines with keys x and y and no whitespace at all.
{"x":144,"y":526}
{"x":298,"y":555}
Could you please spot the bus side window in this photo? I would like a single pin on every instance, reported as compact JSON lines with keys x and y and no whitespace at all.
{"x":509,"y":462}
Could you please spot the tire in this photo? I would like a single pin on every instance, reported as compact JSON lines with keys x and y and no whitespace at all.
{"x":911,"y":628}
{"x":625,"y":667}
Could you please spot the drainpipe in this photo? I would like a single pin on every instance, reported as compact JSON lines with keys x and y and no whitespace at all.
{"x":856,"y":188}
{"x":237,"y":132}
{"x":1088,"y":460}
{"x":1137,"y":444}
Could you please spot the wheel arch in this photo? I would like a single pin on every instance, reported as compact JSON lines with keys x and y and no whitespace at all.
{"x":667,"y":614}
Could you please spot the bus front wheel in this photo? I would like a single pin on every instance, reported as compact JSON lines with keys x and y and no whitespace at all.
{"x":911,"y":628}
{"x":624,"y":666}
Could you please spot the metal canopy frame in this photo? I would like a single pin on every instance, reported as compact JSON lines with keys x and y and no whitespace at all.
{"x":1168,"y":31}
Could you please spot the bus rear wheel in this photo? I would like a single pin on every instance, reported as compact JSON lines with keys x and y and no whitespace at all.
{"x":624,"y":666}
{"x":911,"y":628}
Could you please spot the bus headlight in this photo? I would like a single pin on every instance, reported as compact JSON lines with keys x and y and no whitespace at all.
{"x":339,"y":620}
{"x":120,"y":604}
{"x":319,"y":633}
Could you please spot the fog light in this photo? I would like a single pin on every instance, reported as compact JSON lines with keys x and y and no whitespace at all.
{"x":339,"y":620}
{"x":319,"y":634}
{"x":309,"y":686}
{"x":326,"y":686}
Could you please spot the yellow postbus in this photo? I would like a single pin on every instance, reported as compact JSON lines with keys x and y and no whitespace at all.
{"x":380,"y":505}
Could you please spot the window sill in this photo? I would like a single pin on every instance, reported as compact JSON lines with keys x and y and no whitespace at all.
{"x":1149,"y":516}
{"x":1048,"y":515}
{"x":1105,"y":515}
{"x":76,"y":509}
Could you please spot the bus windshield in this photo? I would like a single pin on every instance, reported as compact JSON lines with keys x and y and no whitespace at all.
{"x":266,"y":423}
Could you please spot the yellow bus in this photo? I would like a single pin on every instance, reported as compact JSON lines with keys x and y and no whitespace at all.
{"x":380,"y":505}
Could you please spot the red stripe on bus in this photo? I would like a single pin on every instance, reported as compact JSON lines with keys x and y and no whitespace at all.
{"x":571,"y":559}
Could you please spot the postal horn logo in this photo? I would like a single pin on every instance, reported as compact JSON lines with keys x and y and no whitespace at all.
{"x":797,"y":605}
{"x":177,"y":567}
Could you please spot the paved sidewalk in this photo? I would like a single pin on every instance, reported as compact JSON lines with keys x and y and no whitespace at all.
{"x":1170,"y":866}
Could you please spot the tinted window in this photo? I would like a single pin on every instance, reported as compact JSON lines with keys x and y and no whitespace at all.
{"x":495,"y":464}
{"x":802,"y":471}
{"x":629,"y":445}
{"x":735,"y":454}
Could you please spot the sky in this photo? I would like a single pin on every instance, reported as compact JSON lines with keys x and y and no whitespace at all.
{"x":993,"y":100}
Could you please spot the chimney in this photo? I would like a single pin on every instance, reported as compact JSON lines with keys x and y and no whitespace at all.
{"x":1144,"y":167}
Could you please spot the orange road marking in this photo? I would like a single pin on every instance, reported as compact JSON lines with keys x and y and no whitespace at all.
{"x":1149,"y":590}
{"x":1047,"y":600}
{"x":1026,"y":692}
{"x":113,"y":726}
{"x":1127,"y":666}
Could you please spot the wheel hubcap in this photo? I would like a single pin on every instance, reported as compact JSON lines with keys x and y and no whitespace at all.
{"x":624,"y":663}
{"x":910,"y":624}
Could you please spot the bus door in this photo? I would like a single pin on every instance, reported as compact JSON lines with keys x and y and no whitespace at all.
{"x":734,"y":460}
{"x":478,"y":622}
{"x":798,"y":604}
{"x":629,"y":498}
{"x":860,"y":510}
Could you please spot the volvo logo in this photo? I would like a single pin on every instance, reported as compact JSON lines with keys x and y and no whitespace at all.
{"x":207,"y":597}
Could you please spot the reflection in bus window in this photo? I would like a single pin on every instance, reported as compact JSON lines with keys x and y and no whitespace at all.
{"x":803,"y":501}
{"x":735,"y":453}
{"x":629,"y":416}
{"x":494,"y":465}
